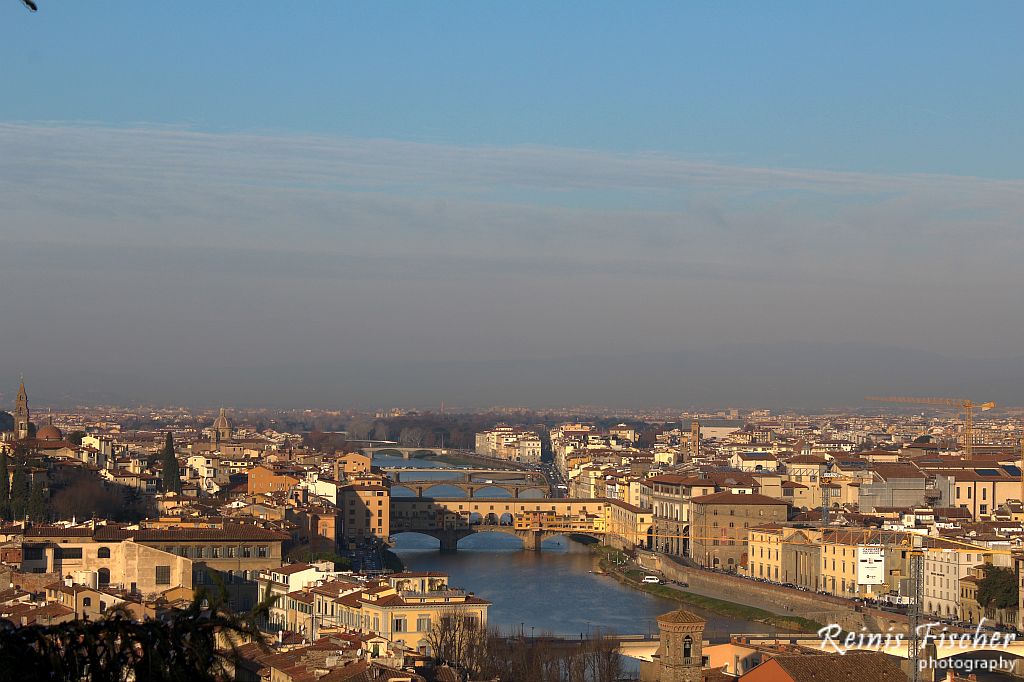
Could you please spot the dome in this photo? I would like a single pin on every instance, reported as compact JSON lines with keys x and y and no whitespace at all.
{"x":222,"y":421}
{"x":49,"y":432}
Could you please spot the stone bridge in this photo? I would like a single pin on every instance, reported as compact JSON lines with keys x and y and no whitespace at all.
{"x":451,"y":519}
{"x":403,"y":451}
{"x":470,"y":481}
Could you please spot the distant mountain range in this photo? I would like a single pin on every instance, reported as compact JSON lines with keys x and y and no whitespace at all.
{"x":799,"y":375}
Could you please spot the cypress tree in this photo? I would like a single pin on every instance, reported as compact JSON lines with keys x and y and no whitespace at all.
{"x":20,"y":485}
{"x":171,"y":474}
{"x":36,"y":508}
{"x":5,"y":489}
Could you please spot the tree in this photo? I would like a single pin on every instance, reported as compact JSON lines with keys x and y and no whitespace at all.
{"x":5,"y":489}
{"x":171,"y":473}
{"x":998,"y":589}
{"x":20,"y":490}
{"x":115,"y":648}
{"x":458,"y":639}
{"x":36,"y":508}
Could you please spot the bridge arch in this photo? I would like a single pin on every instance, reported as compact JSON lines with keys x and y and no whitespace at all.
{"x":385,"y":452}
{"x":402,"y":486}
{"x":423,"y":534}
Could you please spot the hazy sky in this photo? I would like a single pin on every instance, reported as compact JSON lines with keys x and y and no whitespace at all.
{"x":197,"y":195}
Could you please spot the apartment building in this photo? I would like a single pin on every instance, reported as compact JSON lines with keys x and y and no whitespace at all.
{"x":365,"y":510}
{"x":720,"y":523}
{"x":510,"y":443}
{"x":668,"y":497}
{"x":403,"y":608}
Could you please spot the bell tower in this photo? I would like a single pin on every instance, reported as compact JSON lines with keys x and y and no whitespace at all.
{"x":21,"y":413}
{"x":679,"y":657}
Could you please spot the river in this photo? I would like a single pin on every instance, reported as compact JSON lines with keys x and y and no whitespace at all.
{"x":550,"y":591}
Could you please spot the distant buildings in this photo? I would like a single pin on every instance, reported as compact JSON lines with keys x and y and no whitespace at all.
{"x":507,"y":442}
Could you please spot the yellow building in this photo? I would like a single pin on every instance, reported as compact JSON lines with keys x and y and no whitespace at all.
{"x":403,"y":608}
{"x":366,"y":511}
{"x":764,"y":558}
{"x":628,"y":526}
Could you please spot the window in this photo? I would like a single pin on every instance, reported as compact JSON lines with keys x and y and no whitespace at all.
{"x":163,"y":575}
{"x":32,"y":553}
{"x":69,"y":552}
{"x":215,"y":552}
{"x":103,"y":553}
{"x":262,"y":551}
{"x":229,"y":552}
{"x":200,"y":552}
{"x":423,"y":623}
{"x":103,"y":576}
{"x":399,"y":625}
{"x":87,"y":601}
{"x":246,"y":551}
{"x":103,"y":607}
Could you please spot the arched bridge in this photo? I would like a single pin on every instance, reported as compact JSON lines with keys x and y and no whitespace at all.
{"x":403,"y":451}
{"x":451,"y":519}
{"x":470,"y":481}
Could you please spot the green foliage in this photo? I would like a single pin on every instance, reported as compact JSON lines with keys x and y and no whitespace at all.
{"x":36,"y":509}
{"x":20,"y":490}
{"x":171,"y":473}
{"x":75,"y":437}
{"x":114,"y":648}
{"x":998,"y":589}
{"x":5,"y":489}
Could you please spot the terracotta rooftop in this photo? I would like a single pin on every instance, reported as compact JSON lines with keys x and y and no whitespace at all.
{"x":680,"y":616}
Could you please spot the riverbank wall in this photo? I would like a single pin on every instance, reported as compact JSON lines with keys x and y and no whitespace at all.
{"x":776,"y":599}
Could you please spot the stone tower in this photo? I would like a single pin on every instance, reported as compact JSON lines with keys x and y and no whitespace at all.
{"x":21,"y":413}
{"x":694,"y":439}
{"x":221,"y":428}
{"x":678,"y":658}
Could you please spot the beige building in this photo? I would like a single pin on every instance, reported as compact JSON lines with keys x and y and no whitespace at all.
{"x":150,"y":560}
{"x":403,"y":608}
{"x":720,"y":523}
{"x":366,"y":511}
{"x":668,"y":497}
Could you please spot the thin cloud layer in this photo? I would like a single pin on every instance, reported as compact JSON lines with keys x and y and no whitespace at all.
{"x":125,"y":244}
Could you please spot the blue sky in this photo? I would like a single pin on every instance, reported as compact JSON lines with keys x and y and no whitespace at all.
{"x":876,"y":86}
{"x":188,"y":187}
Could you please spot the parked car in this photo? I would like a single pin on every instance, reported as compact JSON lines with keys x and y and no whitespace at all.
{"x":651,"y":580}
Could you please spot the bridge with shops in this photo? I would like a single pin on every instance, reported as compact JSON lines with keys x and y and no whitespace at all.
{"x":533,"y":521}
{"x":469,"y":480}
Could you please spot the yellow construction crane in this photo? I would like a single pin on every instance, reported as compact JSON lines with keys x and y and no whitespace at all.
{"x":968,"y":406}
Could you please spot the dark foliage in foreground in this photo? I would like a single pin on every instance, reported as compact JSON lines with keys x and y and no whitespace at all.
{"x":182,"y":648}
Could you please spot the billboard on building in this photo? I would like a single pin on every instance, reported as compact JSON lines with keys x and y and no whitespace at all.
{"x":870,"y":565}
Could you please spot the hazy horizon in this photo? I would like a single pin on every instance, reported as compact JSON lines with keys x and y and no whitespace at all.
{"x":647,"y":206}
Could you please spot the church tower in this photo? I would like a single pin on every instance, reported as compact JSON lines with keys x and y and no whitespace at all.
{"x":679,"y":657}
{"x":221,"y":428}
{"x":694,"y":440}
{"x":21,"y":414}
